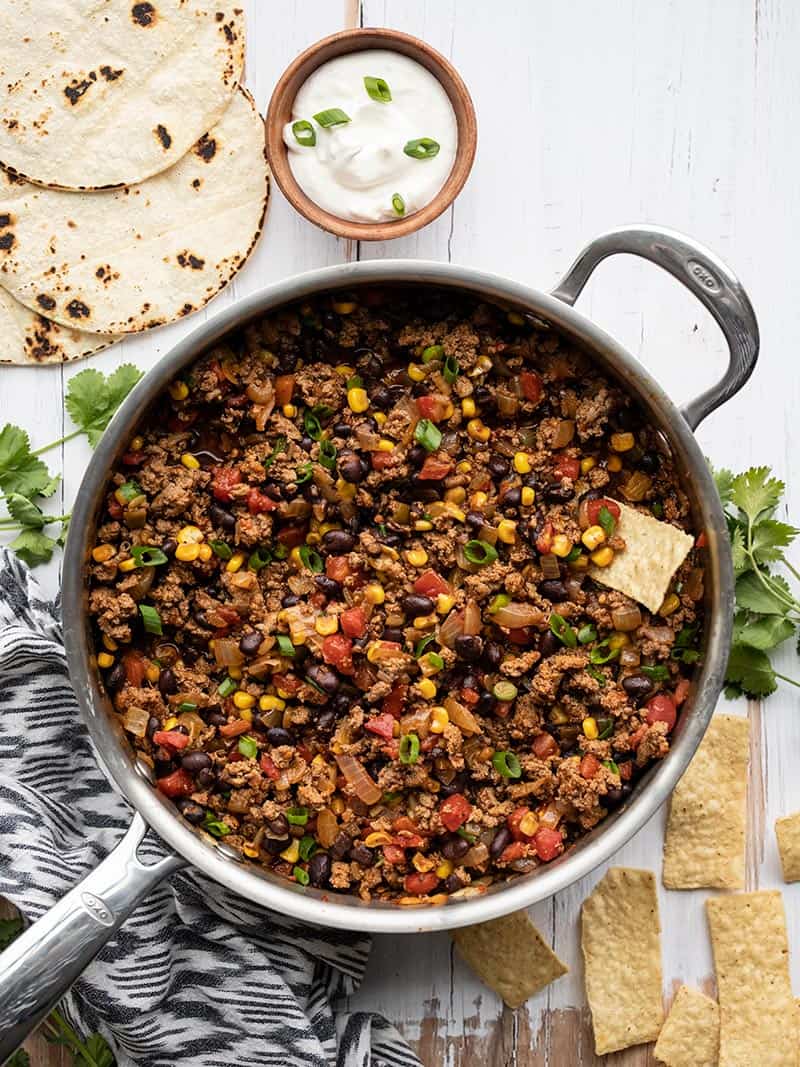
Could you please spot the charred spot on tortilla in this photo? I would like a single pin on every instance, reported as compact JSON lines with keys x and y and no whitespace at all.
{"x":7,"y":241}
{"x":163,"y":135}
{"x":110,"y":74}
{"x":75,"y":90}
{"x":196,"y":183}
{"x":143,"y":14}
{"x":189,"y":259}
{"x":187,"y":309}
{"x":45,"y":301}
{"x":5,"y":221}
{"x":230,"y":36}
{"x":78,"y":310}
{"x":206,"y":148}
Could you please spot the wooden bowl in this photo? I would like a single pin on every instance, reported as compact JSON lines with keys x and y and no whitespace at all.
{"x":280,"y":112}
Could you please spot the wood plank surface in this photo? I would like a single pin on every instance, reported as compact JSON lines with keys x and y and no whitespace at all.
{"x":590,"y":115}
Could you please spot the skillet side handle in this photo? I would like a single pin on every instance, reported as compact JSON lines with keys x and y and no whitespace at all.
{"x":704,"y":275}
{"x":38,"y":968}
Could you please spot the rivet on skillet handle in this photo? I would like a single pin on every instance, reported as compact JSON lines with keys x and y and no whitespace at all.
{"x":38,"y":968}
{"x":703,"y":274}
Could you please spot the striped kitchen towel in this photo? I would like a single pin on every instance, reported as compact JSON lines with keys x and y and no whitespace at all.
{"x":197,"y":975}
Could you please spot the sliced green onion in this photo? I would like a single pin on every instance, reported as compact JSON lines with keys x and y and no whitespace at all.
{"x":312,"y":425}
{"x":421,"y":148}
{"x":226,"y":687}
{"x":433,"y":659}
{"x":606,"y":729}
{"x":504,"y":691}
{"x":311,"y":559}
{"x":301,"y":876}
{"x":611,"y":765}
{"x":151,"y":620}
{"x":657,"y":509}
{"x":215,"y":826}
{"x":658,"y":673}
{"x":285,"y":645}
{"x":332,"y":116}
{"x":451,"y":370}
{"x":258,"y":559}
{"x":248,"y":747}
{"x":219,"y":548}
{"x":587,"y":634}
{"x":603,"y":653}
{"x":432,"y":352}
{"x":500,"y":601}
{"x":148,"y":556}
{"x":187,"y":705}
{"x":280,"y":446}
{"x":281,"y":552}
{"x":304,"y":474}
{"x":606,"y":520}
{"x":574,"y":553}
{"x":409,"y":749}
{"x":128,"y":491}
{"x":598,"y":676}
{"x":297,"y":816}
{"x":377,"y":89}
{"x":390,"y":797}
{"x":466,"y":835}
{"x":506,"y":764}
{"x":356,"y":382}
{"x":304,"y":133}
{"x":308,"y":846}
{"x":399,"y":204}
{"x":480,"y":552}
{"x":327,"y":454}
{"x":428,"y":435}
{"x":423,"y":644}
{"x":563,"y":631}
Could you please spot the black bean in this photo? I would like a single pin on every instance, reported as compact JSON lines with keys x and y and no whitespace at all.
{"x":319,"y":868}
{"x":394,"y":633}
{"x":338,"y":542}
{"x":416,"y":604}
{"x":195,"y":761}
{"x":306,"y":443}
{"x":486,"y":703}
{"x":274,"y":845}
{"x":193,"y":813}
{"x":614,"y":797}
{"x":250,"y":643}
{"x":341,"y":429}
{"x":343,"y":701}
{"x":482,"y":394}
{"x":469,"y":681}
{"x":500,"y":841}
{"x":458,"y":785}
{"x":290,"y":600}
{"x":331,"y":588}
{"x":206,"y":779}
{"x":342,"y":845}
{"x":323,"y":677}
{"x":493,"y":654}
{"x":216,"y":718}
{"x":361,"y":854}
{"x":167,"y":682}
{"x":474,"y":520}
{"x":162,"y":763}
{"x":650,"y":462}
{"x":276,"y":735}
{"x":169,"y":546}
{"x":554,"y":590}
{"x":548,"y":644}
{"x":513,"y":497}
{"x":221,"y":517}
{"x":351,"y":467}
{"x":498,"y":467}
{"x":153,"y":724}
{"x":279,"y":826}
{"x":381,"y":397}
{"x":452,"y":884}
{"x":325,"y":721}
{"x":416,"y":455}
{"x":468,"y":647}
{"x":558,"y":493}
{"x":638,"y":687}
{"x":115,"y":679}
{"x":455,"y":847}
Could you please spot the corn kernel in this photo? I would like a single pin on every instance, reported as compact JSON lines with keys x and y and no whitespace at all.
{"x":179,"y":390}
{"x":109,"y":643}
{"x":284,"y":694}
{"x":187,"y":553}
{"x":456,"y":512}
{"x":444,"y":603}
{"x":618,"y":640}
{"x":593,"y":537}
{"x":561,"y":546}
{"x":415,"y":372}
{"x":422,"y":525}
{"x":170,"y":723}
{"x":522,"y":463}
{"x":289,"y":410}
{"x":603,"y":556}
{"x":377,"y":837}
{"x":444,"y":870}
{"x":671,"y":604}
{"x":338,"y":805}
{"x":374,"y":651}
{"x":457,"y":495}
{"x":448,"y":411}
{"x":235,"y":673}
{"x":235,"y":562}
{"x":345,"y":370}
{"x":484,"y":363}
{"x":622,"y":442}
{"x":103,"y":553}
{"x":345,"y":490}
{"x":326,"y":625}
{"x":507,"y":531}
{"x":251,"y":852}
{"x":190,"y":462}
{"x":380,"y":417}
{"x":357,"y":399}
{"x":205,"y":553}
{"x":468,"y":408}
{"x":128,"y":565}
{"x":375,"y":594}
{"x":439,"y":719}
{"x":105,"y":659}
{"x":152,"y":673}
{"x":579,"y":564}
{"x":529,"y":824}
{"x":243,"y":701}
{"x":385,"y":445}
{"x":326,"y":527}
{"x":477,"y":431}
{"x":425,"y":622}
{"x":515,"y":318}
{"x":292,"y":853}
{"x":190,"y":535}
{"x":295,"y":558}
{"x":527,"y":496}
{"x":271,"y":703}
{"x":246,"y":714}
{"x":417,"y":557}
{"x":614,"y":464}
{"x":464,"y":467}
{"x":590,"y":728}
{"x":588,"y":463}
{"x":478,"y":500}
{"x":137,"y":444}
{"x":297,"y":634}
{"x":344,"y":307}
{"x":422,"y":863}
{"x":426,"y":688}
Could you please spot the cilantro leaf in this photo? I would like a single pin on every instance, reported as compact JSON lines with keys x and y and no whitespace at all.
{"x":33,"y":547}
{"x":752,"y":595}
{"x":98,"y":1053}
{"x":19,"y":1059}
{"x":92,"y":398}
{"x":20,"y":471}
{"x":755,"y":492}
{"x":724,"y":482}
{"x":751,"y":670}
{"x":9,"y":930}
{"x":769,"y":538}
{"x":25,"y":511}
{"x":741,"y":560}
{"x":766,"y":632}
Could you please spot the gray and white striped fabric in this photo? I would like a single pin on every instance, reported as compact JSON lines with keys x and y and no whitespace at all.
{"x":197,"y":975}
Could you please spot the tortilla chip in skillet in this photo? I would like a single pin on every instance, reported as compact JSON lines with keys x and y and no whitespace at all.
{"x":109,"y":93}
{"x":127,"y":259}
{"x":26,"y":337}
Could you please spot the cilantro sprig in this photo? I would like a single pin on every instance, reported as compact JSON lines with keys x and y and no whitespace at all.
{"x":767,"y":610}
{"x":92,"y":399}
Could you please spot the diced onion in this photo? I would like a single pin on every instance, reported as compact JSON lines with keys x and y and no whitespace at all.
{"x":193,"y":723}
{"x":563,"y":434}
{"x":550,"y":566}
{"x":462,"y":717}
{"x":358,"y":779}
{"x":135,"y":721}
{"x":629,"y":657}
{"x":693,"y":586}
{"x":260,"y":394}
{"x":516,"y":615}
{"x":626,"y":618}
{"x":507,"y":403}
{"x":637,"y":486}
{"x":472,"y":618}
{"x":451,"y":628}
{"x":477,"y":856}
{"x":327,"y":827}
{"x":550,"y":817}
{"x":226,"y":652}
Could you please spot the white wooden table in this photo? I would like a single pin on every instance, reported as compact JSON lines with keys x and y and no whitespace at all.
{"x":590,"y":115}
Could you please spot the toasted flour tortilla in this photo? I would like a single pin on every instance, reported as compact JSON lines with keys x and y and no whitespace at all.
{"x":128,"y":259}
{"x":97,"y":93}
{"x":26,"y":337}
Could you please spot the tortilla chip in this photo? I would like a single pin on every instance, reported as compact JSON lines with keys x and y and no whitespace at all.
{"x":704,"y":845}
{"x":621,"y":942}
{"x":26,"y":337}
{"x":787,"y":831}
{"x":690,"y":1036}
{"x":758,"y":1018}
{"x":653,"y":552}
{"x":510,"y":956}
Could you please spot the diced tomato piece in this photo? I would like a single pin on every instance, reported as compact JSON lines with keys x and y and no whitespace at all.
{"x":178,"y":784}
{"x":626,"y":770}
{"x":548,"y":844}
{"x":268,"y":767}
{"x":408,"y":840}
{"x":338,"y":651}
{"x":284,"y":389}
{"x":392,"y":749}
{"x":305,"y":752}
{"x":432,"y":407}
{"x":566,"y":467}
{"x":544,"y":541}
{"x":661,"y":708}
{"x":454,"y":811}
{"x":233,"y":729}
{"x":702,"y":540}
{"x":353,"y":622}
{"x":403,"y":824}
{"x":223,"y":481}
{"x":522,"y":635}
{"x":259,"y":503}
{"x":115,"y":509}
{"x":132,"y":459}
{"x":436,"y":467}
{"x":501,"y":709}
{"x":470,"y":696}
{"x":394,"y":854}
{"x":292,"y":536}
{"x":637,"y":737}
{"x":135,"y":668}
{"x":287,"y":682}
{"x":513,"y":821}
{"x":171,"y":739}
{"x":681,"y":691}
{"x":381,"y":460}
{"x":590,"y":765}
{"x":514,"y":851}
{"x":393,"y":703}
{"x":531,"y":385}
{"x":431,"y":584}
{"x":544,"y":745}
{"x":420,"y":884}
{"x":430,"y":742}
{"x":594,"y":507}
{"x":382,"y":725}
{"x":337,"y":567}
{"x":229,"y":616}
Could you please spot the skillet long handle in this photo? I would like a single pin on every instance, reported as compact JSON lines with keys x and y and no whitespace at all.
{"x":39,"y":967}
{"x":704,"y":275}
